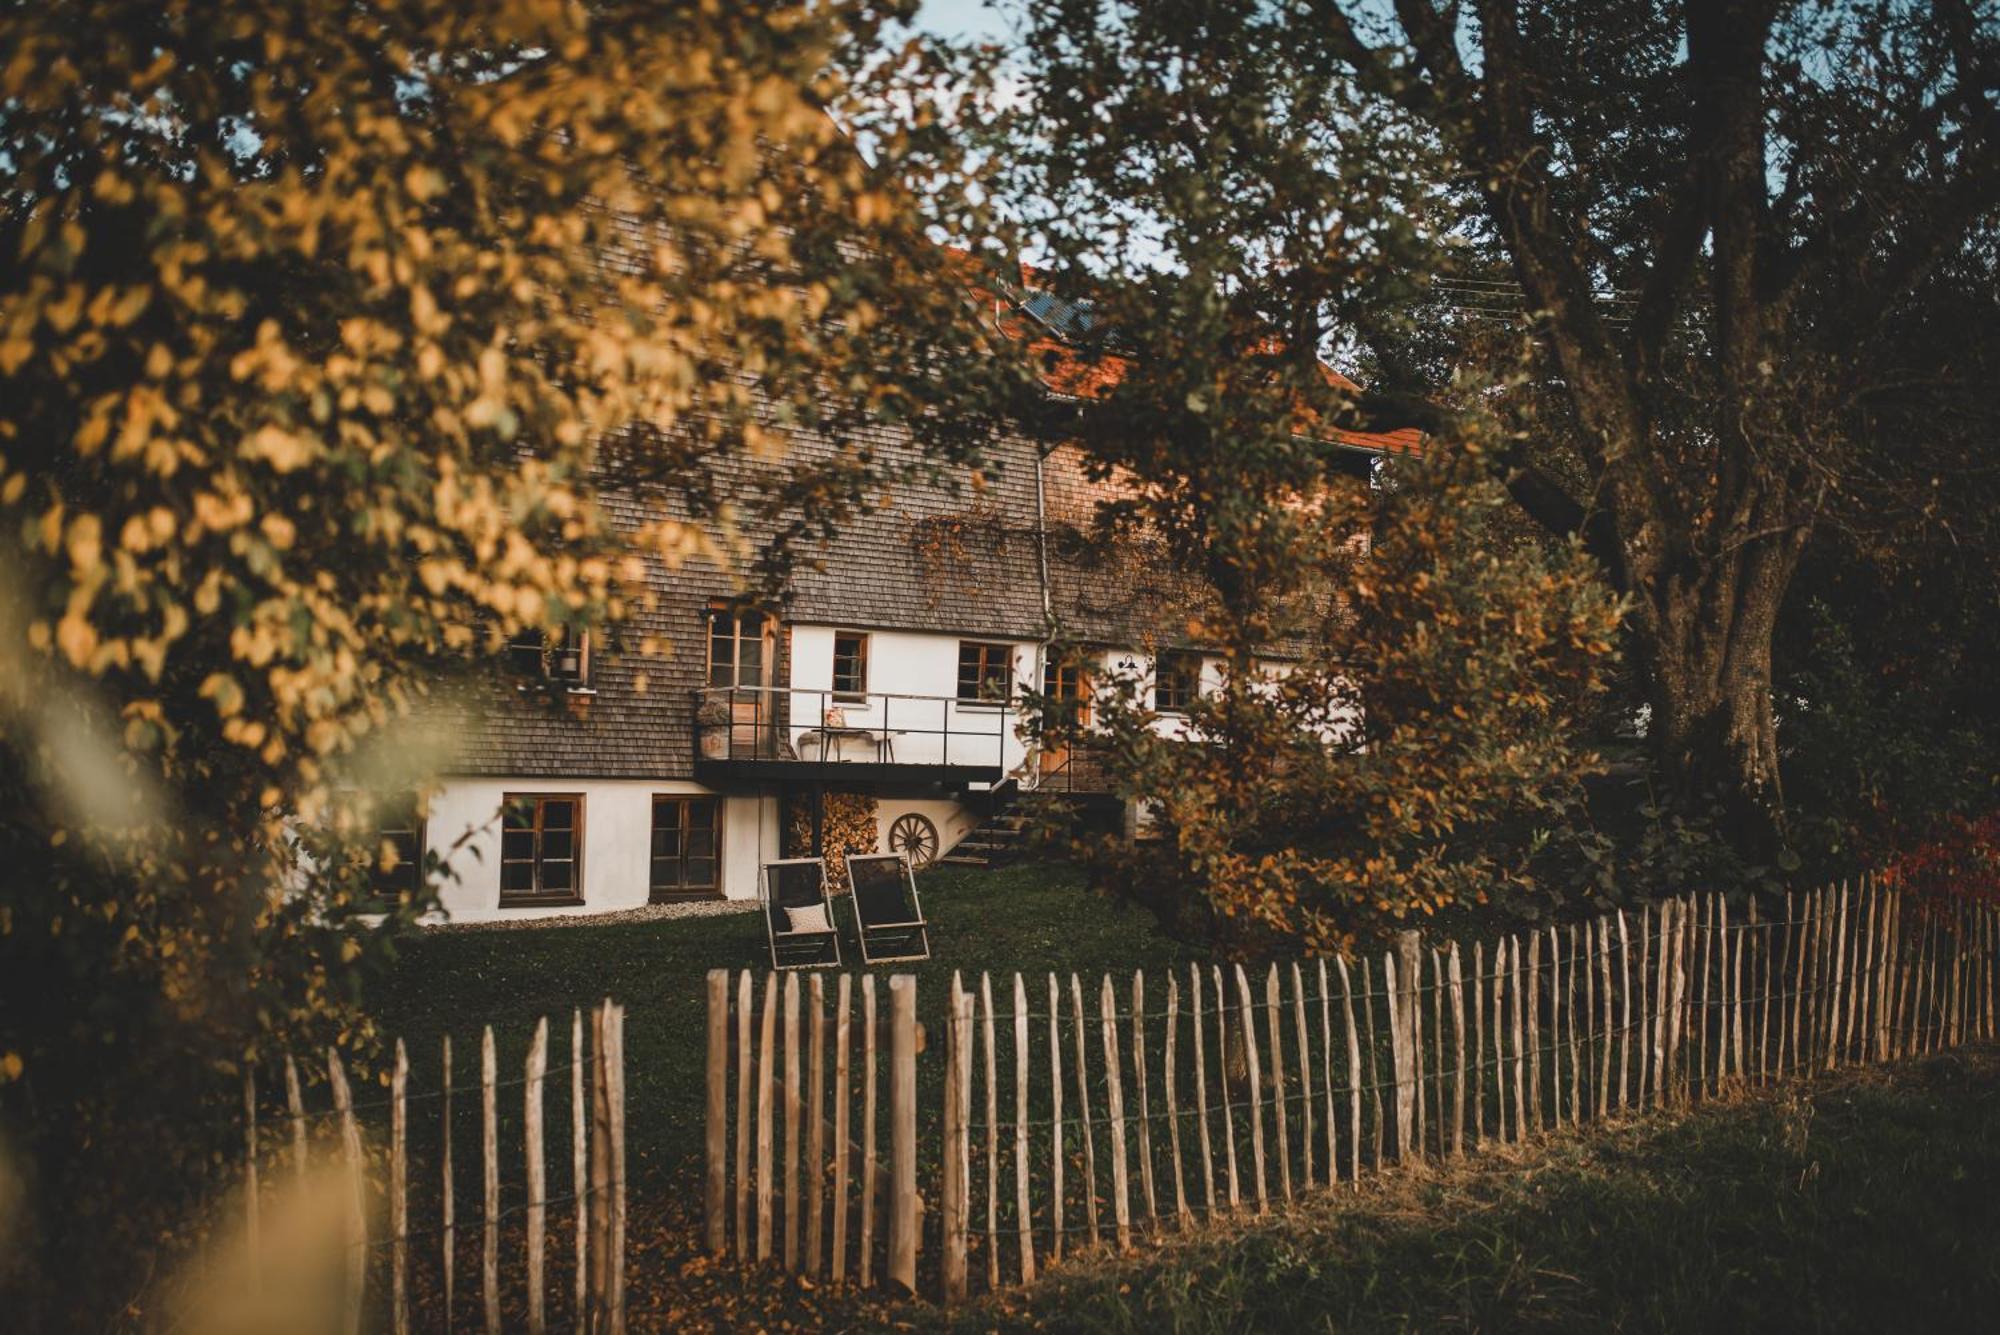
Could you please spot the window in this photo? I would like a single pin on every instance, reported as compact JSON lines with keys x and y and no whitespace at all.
{"x":397,"y":857}
{"x":1176,"y":682}
{"x":1067,"y":686}
{"x":541,"y":848}
{"x":850,"y":665}
{"x":985,"y":672}
{"x":686,"y":859}
{"x":736,"y":648}
{"x":536,"y":653}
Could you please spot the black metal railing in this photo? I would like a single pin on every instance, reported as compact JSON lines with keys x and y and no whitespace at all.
{"x":1079,"y":768}
{"x":809,"y":725}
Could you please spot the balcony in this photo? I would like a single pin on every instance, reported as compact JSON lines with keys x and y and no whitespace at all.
{"x":876,"y":738}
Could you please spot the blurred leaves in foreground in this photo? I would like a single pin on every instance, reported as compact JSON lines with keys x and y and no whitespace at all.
{"x":324,"y":330}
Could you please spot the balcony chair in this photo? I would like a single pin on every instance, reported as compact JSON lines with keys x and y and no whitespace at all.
{"x":886,"y":911}
{"x":798,"y":914}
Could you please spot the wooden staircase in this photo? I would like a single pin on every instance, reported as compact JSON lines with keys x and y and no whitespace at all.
{"x":1000,"y":839}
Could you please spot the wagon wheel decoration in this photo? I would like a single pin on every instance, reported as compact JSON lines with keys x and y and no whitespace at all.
{"x":914,"y":837}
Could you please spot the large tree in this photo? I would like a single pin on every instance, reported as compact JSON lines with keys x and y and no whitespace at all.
{"x":314,"y":321}
{"x":1717,"y":216}
{"x":1393,"y":711}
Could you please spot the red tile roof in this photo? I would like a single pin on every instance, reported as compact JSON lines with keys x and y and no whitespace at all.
{"x":1072,"y":374}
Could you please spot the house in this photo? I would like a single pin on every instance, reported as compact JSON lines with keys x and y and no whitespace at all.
{"x":891,"y":670}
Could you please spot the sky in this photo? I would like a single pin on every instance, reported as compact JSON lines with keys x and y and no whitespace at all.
{"x":962,"y":18}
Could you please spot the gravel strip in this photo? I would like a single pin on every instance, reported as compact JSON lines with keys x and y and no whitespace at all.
{"x":699,"y":908}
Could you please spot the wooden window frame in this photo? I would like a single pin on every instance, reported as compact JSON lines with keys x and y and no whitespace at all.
{"x":539,"y":898}
{"x":383,"y":882}
{"x":1076,"y":699}
{"x":767,"y":646}
{"x":536,"y":641}
{"x":858,"y":693}
{"x":657,"y":894}
{"x":1005,"y":648}
{"x":1163,"y":673}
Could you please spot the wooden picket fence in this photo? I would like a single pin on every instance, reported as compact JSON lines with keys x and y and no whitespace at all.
{"x":1239,"y":1096}
{"x":377,"y":1183}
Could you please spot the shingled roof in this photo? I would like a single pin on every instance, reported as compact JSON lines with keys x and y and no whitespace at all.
{"x":957,"y":552}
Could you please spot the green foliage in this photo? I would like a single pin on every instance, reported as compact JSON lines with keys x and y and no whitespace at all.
{"x":1388,"y":704}
{"x":1385,"y":757}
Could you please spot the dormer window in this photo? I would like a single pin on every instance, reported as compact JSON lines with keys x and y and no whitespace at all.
{"x":559,"y":656}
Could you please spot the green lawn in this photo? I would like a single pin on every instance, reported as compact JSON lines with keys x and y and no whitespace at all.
{"x":1869,"y":1202}
{"x":1026,"y":916}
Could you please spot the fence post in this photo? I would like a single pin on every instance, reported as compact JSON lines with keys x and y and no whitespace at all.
{"x":1326,"y":1071}
{"x":448,"y":1237}
{"x":1201,"y":1089}
{"x":615,"y":1078}
{"x":1626,"y":1032}
{"x":1022,"y":1204}
{"x":1374,"y":1062}
{"x":1456,"y":967}
{"x":715,"y":1196}
{"x":767,"y":1039}
{"x":357,"y":1201}
{"x":1531,"y":999}
{"x":489,"y":1149}
{"x":252,"y":1240}
{"x":1565,"y":985}
{"x":399,"y":1203}
{"x":816,"y":1124}
{"x":1181,"y":1212}
{"x":538,"y":1174}
{"x":992,"y":1134}
{"x":843,"y":1119}
{"x":1478,"y":1042}
{"x":789,"y":1182}
{"x":1114,"y":1092}
{"x":1353,"y":1074}
{"x":1273,"y":1030}
{"x":1222,"y":1082}
{"x":607,"y":1172}
{"x":1145,"y":1110}
{"x":952,"y":1181}
{"x":1305,"y":1074}
{"x":1520,"y":1047}
{"x":295,"y":1106}
{"x":870,"y":1164}
{"x":597,"y":1309}
{"x":1055,"y":1121}
{"x":903,"y":1131}
{"x":1402,"y":972}
{"x":1249,"y":1017}
{"x":1083,"y":1107}
{"x":579,"y":1168}
{"x":745,"y":1067}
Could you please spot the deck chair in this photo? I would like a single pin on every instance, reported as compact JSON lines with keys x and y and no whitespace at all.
{"x":890,"y":919}
{"x":798,"y":915}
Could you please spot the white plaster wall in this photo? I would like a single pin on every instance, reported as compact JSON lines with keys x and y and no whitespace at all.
{"x":617,"y":842}
{"x":952,"y":819}
{"x":907,"y":663}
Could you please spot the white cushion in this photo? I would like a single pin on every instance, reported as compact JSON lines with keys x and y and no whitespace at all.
{"x":810,"y":919}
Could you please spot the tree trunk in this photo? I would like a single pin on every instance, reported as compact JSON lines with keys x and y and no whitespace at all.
{"x":1714,"y":725}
